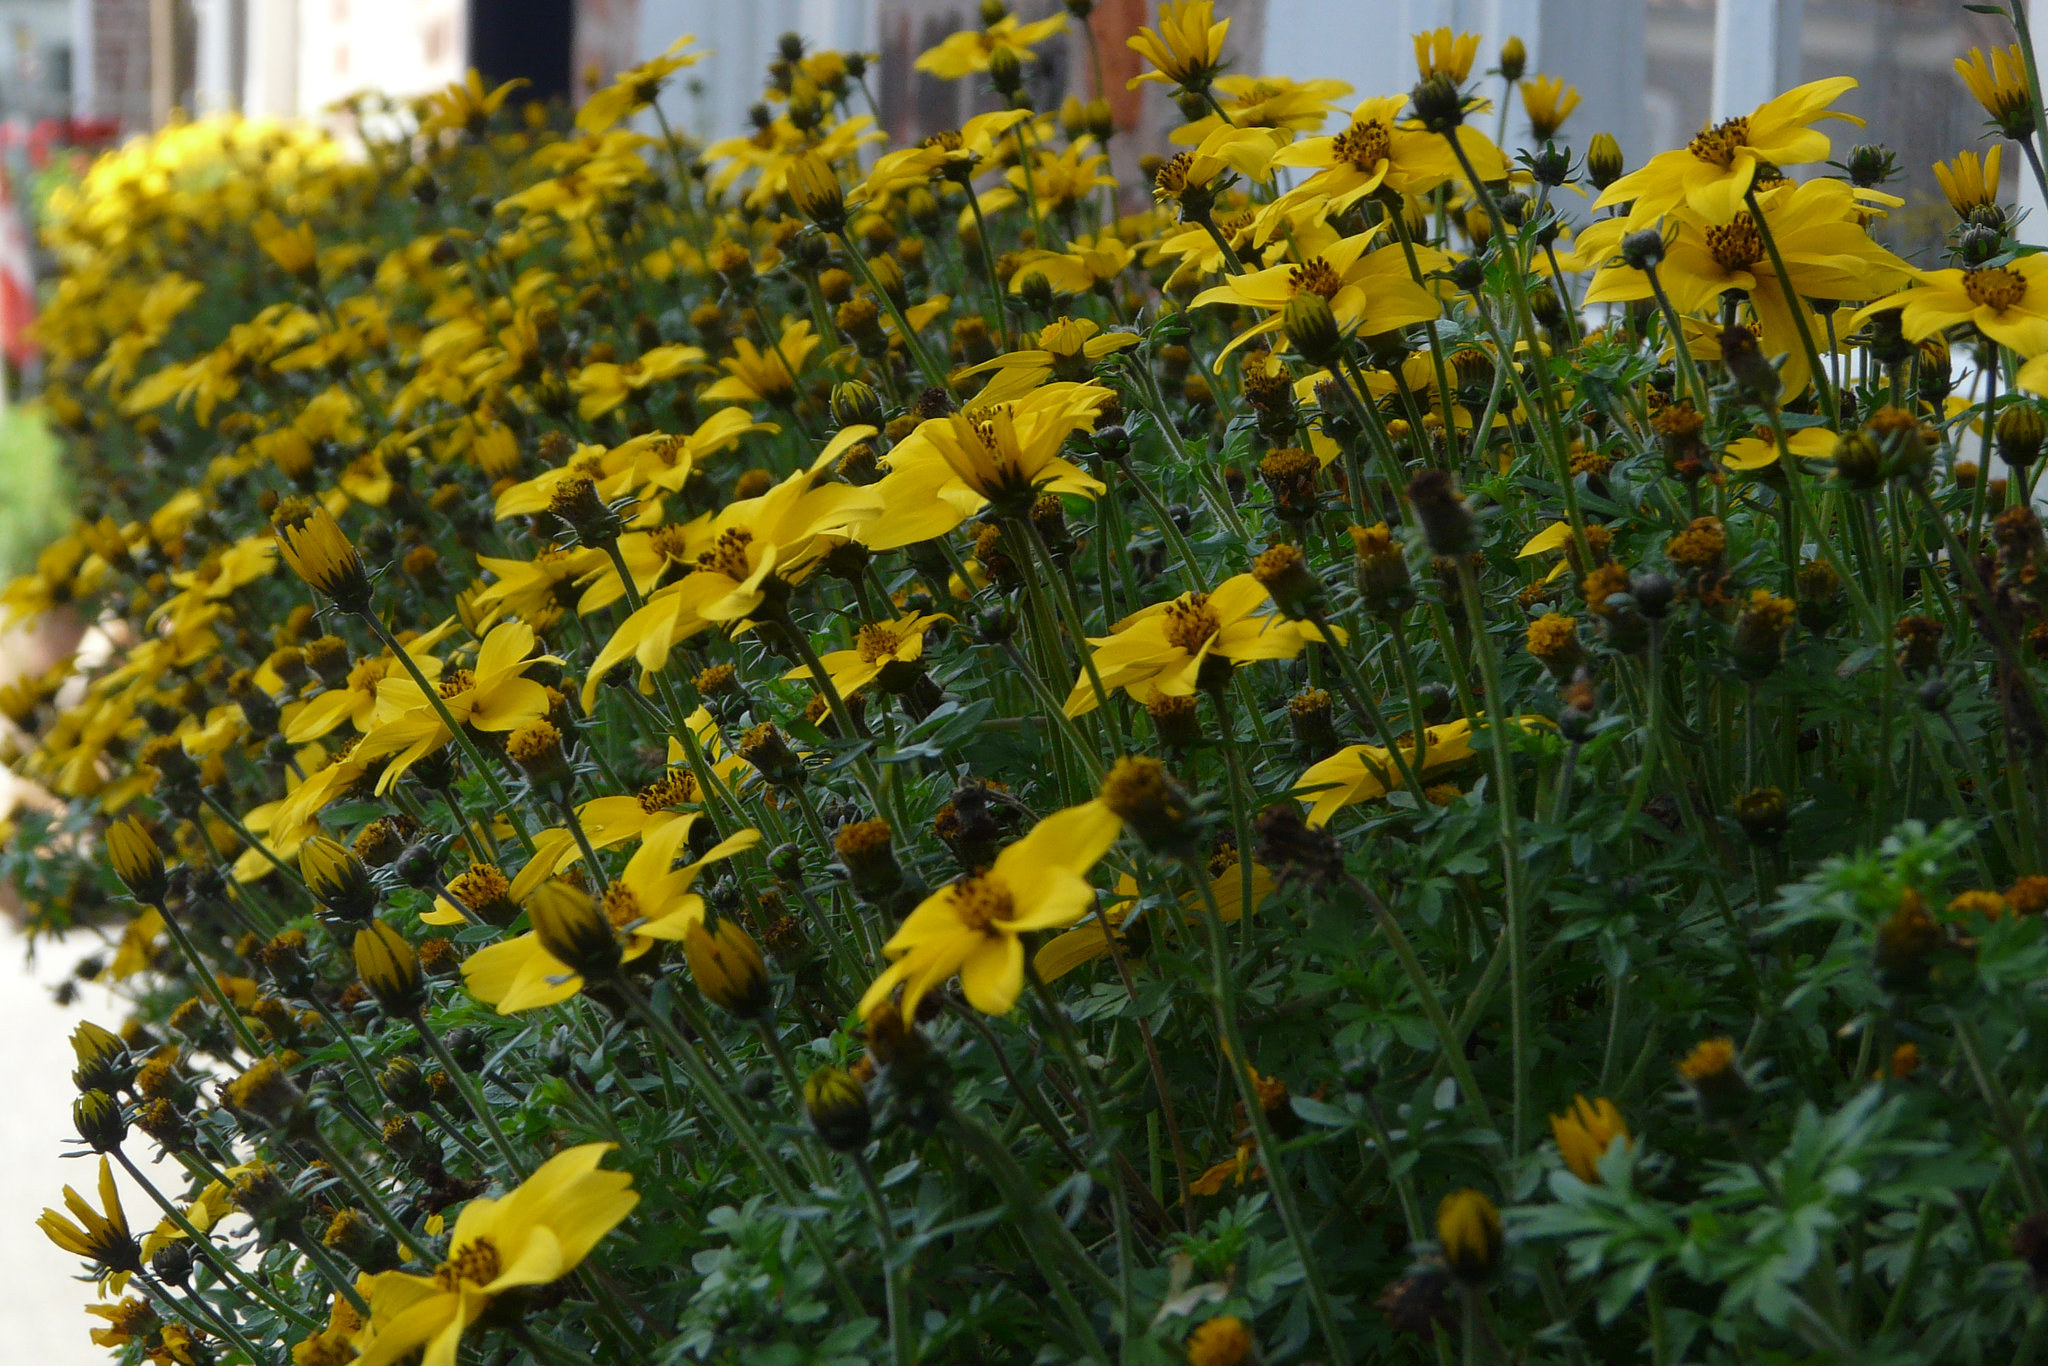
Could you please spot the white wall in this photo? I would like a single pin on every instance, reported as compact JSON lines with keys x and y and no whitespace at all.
{"x":742,"y":35}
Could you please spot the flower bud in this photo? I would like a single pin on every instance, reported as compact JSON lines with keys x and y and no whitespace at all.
{"x":1312,"y":328}
{"x":403,"y":1084}
{"x":856,"y":405}
{"x":1439,"y":104}
{"x":1446,"y":521}
{"x":1284,"y":575}
{"x":389,"y":968}
{"x":1141,"y":794}
{"x":1514,"y":59}
{"x":1005,"y":70}
{"x":1762,"y":814}
{"x":728,"y":968}
{"x":837,"y":1107}
{"x":574,"y":930}
{"x":1715,"y":1079}
{"x":1643,"y":249}
{"x":266,"y":1095}
{"x":137,"y":861}
{"x":1604,"y":164}
{"x":339,"y":879}
{"x":2021,"y":434}
{"x":99,"y":1121}
{"x":867,"y":850}
{"x":815,"y":189}
{"x":319,"y":552}
{"x":1468,"y":1229}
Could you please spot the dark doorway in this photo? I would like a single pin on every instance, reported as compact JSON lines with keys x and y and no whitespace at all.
{"x":530,"y":38}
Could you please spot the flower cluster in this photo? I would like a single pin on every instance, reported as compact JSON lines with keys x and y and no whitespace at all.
{"x":797,"y":749}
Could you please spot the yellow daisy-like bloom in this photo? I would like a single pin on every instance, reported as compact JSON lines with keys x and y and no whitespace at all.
{"x":1548,"y":101}
{"x":1968,"y":184}
{"x":101,"y":1235}
{"x":951,"y":154}
{"x":755,"y":376}
{"x":1360,"y":773}
{"x":878,"y":649}
{"x":1174,"y":648}
{"x":538,"y":1233}
{"x":650,"y":901}
{"x":1585,"y":1132}
{"x":1087,"y":264}
{"x":967,"y":52}
{"x":2007,"y":303}
{"x":1377,"y":149}
{"x":1265,"y":102}
{"x":1368,"y":291}
{"x":755,"y":549}
{"x":605,"y":385}
{"x":1444,"y":52}
{"x":1008,"y":455}
{"x":494,"y":696}
{"x":1067,"y":349}
{"x":635,"y":88}
{"x":1748,"y":453}
{"x":464,"y":106}
{"x":974,"y":925}
{"x":1713,"y":172}
{"x":1827,"y":253}
{"x":1999,"y":83}
{"x":1186,"y":49}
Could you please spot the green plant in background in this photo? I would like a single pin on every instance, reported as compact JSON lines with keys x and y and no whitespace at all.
{"x":799,"y":752}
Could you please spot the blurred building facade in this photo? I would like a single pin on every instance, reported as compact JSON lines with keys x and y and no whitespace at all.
{"x":1650,"y":71}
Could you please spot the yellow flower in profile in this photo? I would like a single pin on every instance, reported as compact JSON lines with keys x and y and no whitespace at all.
{"x":605,"y":385}
{"x":974,"y":925}
{"x":464,"y":106}
{"x":100,"y":1236}
{"x":636,"y":87}
{"x":1174,"y":648}
{"x":1969,"y":185}
{"x":1089,"y":940}
{"x":1360,"y":773}
{"x":1548,"y":101}
{"x":877,"y":649}
{"x":1444,"y":52}
{"x":2007,"y":303}
{"x":1265,"y":102}
{"x":1999,"y":83}
{"x":1087,"y":264}
{"x":967,"y":52}
{"x":320,"y":552}
{"x":538,"y":1233}
{"x":1067,"y":349}
{"x":1007,"y":455}
{"x":1186,"y":49}
{"x":755,"y":376}
{"x":1713,"y":172}
{"x":1585,"y":1132}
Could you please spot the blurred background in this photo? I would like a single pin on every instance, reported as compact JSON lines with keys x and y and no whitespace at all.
{"x":77,"y":76}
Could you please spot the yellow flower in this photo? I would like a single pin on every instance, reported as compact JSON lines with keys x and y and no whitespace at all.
{"x":292,"y":248}
{"x":536,"y":1234}
{"x":1376,"y":149}
{"x":1067,"y":349}
{"x":1360,"y":773}
{"x":635,"y":88}
{"x":319,"y":552}
{"x":877,"y":650}
{"x":967,"y":52}
{"x":603,"y":386}
{"x":1827,"y":252}
{"x":1186,"y":49}
{"x":2007,"y":303}
{"x":464,"y":106}
{"x":1549,"y":102}
{"x":1368,"y":291}
{"x":1088,"y":263}
{"x":1443,"y":52}
{"x":2000,"y":85}
{"x":974,"y":925}
{"x":100,"y":1235}
{"x":950,"y":154}
{"x":1713,"y":172}
{"x":951,"y":468}
{"x":650,"y":901}
{"x":1174,"y":648}
{"x":756,"y":549}
{"x":1585,"y":1132}
{"x":1966,"y":184}
{"x":495,"y":696}
{"x":1089,"y":940}
{"x":753,"y":376}
{"x":1265,"y":102}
